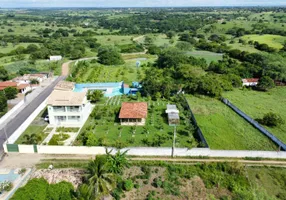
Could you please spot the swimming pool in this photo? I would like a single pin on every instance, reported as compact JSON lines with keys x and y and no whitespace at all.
{"x":11,"y":176}
{"x":110,"y":89}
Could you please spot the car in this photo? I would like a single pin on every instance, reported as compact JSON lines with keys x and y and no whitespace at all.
{"x":46,"y":118}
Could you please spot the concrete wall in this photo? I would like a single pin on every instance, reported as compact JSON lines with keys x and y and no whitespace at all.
{"x":8,"y":114}
{"x":150,"y":151}
{"x":26,"y":148}
{"x":44,"y":149}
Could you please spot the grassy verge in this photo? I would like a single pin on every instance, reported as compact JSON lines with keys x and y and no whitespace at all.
{"x":224,"y":129}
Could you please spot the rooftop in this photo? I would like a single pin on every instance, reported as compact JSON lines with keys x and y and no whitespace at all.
{"x":250,"y":80}
{"x":172,"y":109}
{"x":66,"y":98}
{"x":65,"y":85}
{"x":133,"y":110}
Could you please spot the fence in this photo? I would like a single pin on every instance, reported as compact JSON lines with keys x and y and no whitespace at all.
{"x":11,"y":112}
{"x":142,"y":151}
{"x":199,"y":132}
{"x":255,"y":124}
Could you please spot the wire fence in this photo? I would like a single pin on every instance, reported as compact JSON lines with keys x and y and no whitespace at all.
{"x":255,"y":124}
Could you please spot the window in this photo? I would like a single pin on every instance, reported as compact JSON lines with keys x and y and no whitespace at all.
{"x":59,"y":119}
{"x":59,"y":108}
{"x":74,"y":118}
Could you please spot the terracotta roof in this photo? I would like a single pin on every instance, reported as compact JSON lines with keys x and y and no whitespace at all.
{"x":250,"y":80}
{"x":22,"y":86}
{"x":66,"y":98}
{"x":65,"y":85}
{"x":6,"y":84}
{"x":133,"y":110}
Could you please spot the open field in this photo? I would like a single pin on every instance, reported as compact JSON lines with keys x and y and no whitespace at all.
{"x":275,"y":41}
{"x":156,"y":132}
{"x":241,"y":47}
{"x":115,"y":39}
{"x":11,"y":47}
{"x":224,"y":129}
{"x":271,"y":180}
{"x":256,"y":104}
{"x":209,"y":56}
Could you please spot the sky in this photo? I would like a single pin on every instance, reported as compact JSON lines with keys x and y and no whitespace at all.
{"x":136,"y":3}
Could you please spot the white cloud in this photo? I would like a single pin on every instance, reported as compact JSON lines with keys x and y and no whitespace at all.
{"x":132,"y":3}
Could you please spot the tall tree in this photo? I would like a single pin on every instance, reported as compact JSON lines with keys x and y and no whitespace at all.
{"x":109,"y":55}
{"x":100,"y":180}
{"x":4,"y":76}
{"x":10,"y":92}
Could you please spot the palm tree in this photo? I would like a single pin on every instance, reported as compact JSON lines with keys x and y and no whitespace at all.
{"x":117,"y":162}
{"x":100,"y":180}
{"x":84,"y":192}
{"x":32,"y":139}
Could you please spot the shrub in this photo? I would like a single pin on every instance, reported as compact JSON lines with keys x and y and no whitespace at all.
{"x":128,"y":185}
{"x":271,"y":119}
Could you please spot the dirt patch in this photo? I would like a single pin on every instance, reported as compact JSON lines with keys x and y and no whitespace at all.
{"x":74,"y":176}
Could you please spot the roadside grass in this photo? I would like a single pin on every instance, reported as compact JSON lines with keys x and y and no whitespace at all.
{"x":256,"y":104}
{"x":209,"y":56}
{"x":224,"y":129}
{"x":109,"y":130}
{"x":275,"y":41}
{"x":36,"y":127}
{"x":268,"y":177}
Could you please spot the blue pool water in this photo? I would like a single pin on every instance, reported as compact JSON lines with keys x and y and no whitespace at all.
{"x":115,"y":87}
{"x":9,"y":177}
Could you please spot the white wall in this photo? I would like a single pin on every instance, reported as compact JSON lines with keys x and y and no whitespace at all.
{"x":8,"y":114}
{"x":26,"y":148}
{"x":45,"y":149}
{"x":12,"y":139}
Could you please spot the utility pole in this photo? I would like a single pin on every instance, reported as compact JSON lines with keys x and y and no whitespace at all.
{"x":174,"y":142}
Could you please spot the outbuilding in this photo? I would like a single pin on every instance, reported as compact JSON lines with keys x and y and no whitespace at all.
{"x":133,"y":113}
{"x":173,"y":115}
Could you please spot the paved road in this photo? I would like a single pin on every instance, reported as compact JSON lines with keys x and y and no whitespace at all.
{"x":23,"y":115}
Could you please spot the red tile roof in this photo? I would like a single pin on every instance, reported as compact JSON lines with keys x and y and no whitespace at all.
{"x":133,"y":110}
{"x":22,"y":86}
{"x":250,"y":80}
{"x":6,"y":84}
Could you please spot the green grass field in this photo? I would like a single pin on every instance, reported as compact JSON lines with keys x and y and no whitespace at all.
{"x":11,"y":47}
{"x":271,"y":180}
{"x":275,"y":41}
{"x":127,"y":72}
{"x":115,"y":39}
{"x":108,"y":128}
{"x":224,"y":129}
{"x":256,"y":104}
{"x":209,"y":56}
{"x":241,"y":47}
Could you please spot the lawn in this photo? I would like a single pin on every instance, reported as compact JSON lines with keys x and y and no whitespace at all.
{"x":269,"y":179}
{"x":224,"y":129}
{"x":209,"y":56}
{"x":115,"y":39}
{"x":107,"y":129}
{"x":275,"y":41}
{"x":256,"y":104}
{"x":36,"y":127}
{"x":127,"y":72}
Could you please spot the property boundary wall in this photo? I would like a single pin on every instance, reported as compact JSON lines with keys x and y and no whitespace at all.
{"x":199,"y":131}
{"x":255,"y":124}
{"x":11,"y":112}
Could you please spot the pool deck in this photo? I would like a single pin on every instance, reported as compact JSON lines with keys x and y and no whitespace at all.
{"x":20,"y":180}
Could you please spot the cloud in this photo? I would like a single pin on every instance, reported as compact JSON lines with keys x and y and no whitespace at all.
{"x":134,"y":3}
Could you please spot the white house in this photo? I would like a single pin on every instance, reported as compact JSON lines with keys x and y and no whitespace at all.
{"x":26,"y":79}
{"x":55,"y":58}
{"x":173,"y":115}
{"x":68,"y":108}
{"x":250,"y":82}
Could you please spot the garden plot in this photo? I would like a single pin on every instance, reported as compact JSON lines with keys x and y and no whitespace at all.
{"x":103,"y":127}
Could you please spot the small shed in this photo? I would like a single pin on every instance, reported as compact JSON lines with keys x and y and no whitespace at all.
{"x":55,"y":58}
{"x":133,"y":113}
{"x":173,"y":115}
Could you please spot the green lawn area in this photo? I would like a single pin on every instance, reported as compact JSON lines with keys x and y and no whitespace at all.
{"x":256,"y":104}
{"x":269,"y":179}
{"x":224,"y":129}
{"x":36,"y":127}
{"x":241,"y":47}
{"x":275,"y":41}
{"x":107,"y":129}
{"x":115,"y":39}
{"x":209,"y":56}
{"x":127,"y":72}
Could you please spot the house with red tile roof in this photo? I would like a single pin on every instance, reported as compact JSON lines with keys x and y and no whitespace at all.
{"x":250,"y":81}
{"x":22,"y":88}
{"x":133,"y":113}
